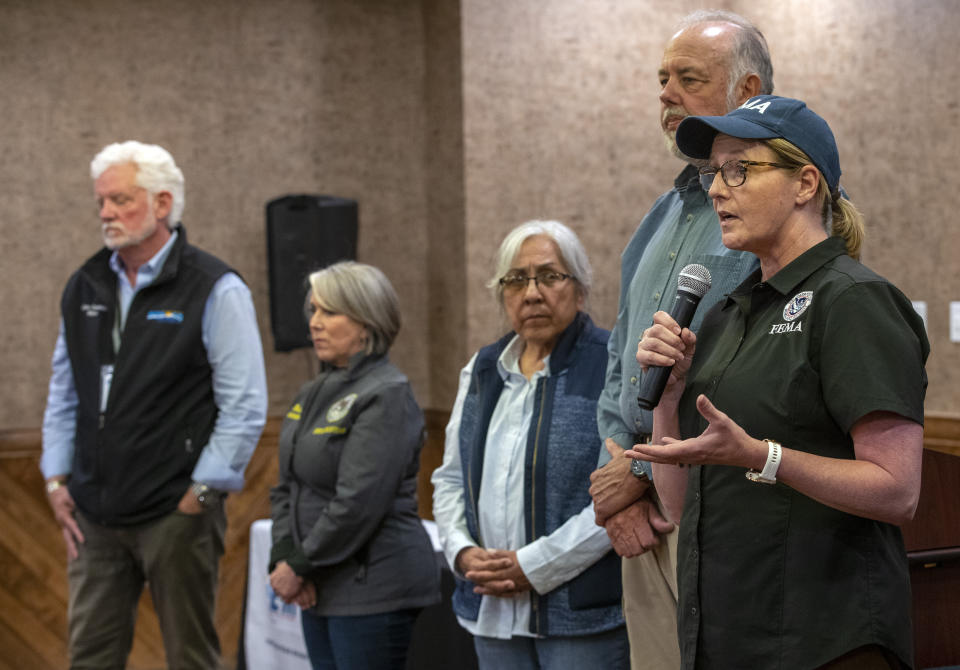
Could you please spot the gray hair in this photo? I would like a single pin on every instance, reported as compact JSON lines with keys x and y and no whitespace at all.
{"x":156,"y":171}
{"x":363,"y":293}
{"x":572,"y":254}
{"x":750,"y":54}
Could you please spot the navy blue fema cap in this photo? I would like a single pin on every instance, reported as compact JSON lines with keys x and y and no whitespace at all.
{"x":764,"y":117}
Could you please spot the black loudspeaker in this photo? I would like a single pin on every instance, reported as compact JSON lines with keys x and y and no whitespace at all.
{"x":304,"y":233}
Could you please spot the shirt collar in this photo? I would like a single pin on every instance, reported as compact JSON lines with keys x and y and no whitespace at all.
{"x":807,"y":263}
{"x":508,"y":363}
{"x":793,"y":274}
{"x":149,"y":270}
{"x":689,"y":180}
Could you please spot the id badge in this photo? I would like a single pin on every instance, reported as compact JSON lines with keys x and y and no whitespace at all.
{"x":106,"y":378}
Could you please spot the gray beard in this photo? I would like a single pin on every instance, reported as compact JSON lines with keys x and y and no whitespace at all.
{"x":670,"y":140}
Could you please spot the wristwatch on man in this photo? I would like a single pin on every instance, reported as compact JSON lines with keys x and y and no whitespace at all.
{"x":636,"y":469}
{"x":54,"y":484}
{"x":206,"y":496}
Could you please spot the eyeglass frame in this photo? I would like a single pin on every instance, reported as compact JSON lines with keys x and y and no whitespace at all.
{"x":504,"y":286}
{"x":711,"y":172}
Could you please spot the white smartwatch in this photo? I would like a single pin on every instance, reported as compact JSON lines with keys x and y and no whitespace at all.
{"x":769,"y":473}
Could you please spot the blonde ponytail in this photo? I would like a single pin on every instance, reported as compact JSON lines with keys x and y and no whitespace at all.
{"x":848,"y":224}
{"x":845,"y":219}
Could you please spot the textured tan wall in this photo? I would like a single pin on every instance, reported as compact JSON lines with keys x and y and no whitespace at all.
{"x":560,"y":117}
{"x":546,"y":109}
{"x":255,"y":100}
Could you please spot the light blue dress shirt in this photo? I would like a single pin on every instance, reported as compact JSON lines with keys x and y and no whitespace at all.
{"x":232,"y":339}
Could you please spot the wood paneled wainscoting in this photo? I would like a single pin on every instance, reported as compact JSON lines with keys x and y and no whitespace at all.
{"x":33,"y":584}
{"x":33,"y":579}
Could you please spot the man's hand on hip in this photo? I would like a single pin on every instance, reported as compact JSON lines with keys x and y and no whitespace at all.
{"x":189,"y":504}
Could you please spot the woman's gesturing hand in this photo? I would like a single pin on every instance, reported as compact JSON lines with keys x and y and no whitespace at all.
{"x":724,"y":442}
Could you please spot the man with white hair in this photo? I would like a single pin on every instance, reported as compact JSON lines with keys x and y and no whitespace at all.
{"x":714,"y":62}
{"x":156,"y":402}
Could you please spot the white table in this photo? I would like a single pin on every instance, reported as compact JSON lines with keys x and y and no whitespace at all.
{"x":273,"y":637}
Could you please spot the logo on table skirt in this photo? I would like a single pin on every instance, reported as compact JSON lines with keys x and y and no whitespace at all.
{"x":165,"y":316}
{"x":798,"y":305}
{"x":339,"y":409}
{"x":295,"y":412}
{"x":278,"y":607}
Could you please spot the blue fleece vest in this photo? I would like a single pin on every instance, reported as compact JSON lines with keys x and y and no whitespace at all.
{"x":563,"y":446}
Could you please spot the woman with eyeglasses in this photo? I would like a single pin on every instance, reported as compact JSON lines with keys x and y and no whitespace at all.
{"x":788,"y":441}
{"x":538,"y":585}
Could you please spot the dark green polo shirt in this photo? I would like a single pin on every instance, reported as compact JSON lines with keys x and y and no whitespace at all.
{"x":768,"y":577}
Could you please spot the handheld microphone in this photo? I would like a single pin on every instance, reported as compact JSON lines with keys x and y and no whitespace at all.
{"x":692,"y":284}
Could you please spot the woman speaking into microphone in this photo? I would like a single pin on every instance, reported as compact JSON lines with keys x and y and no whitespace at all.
{"x":799,"y":409}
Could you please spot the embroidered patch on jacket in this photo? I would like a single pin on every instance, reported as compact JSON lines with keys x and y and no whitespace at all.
{"x":295,"y":412}
{"x":165,"y":316}
{"x":325,"y":430}
{"x":798,"y":305}
{"x":339,"y":409}
{"x":92,"y":308}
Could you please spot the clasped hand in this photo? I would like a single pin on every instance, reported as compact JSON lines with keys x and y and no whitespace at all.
{"x":494,"y":572}
{"x":291,"y":587}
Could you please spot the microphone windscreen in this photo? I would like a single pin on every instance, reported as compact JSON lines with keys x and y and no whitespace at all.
{"x":695,"y":279}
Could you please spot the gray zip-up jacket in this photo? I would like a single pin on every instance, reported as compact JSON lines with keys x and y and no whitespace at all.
{"x":345,"y":508}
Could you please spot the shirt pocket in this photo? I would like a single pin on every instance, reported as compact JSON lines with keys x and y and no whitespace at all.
{"x":726,"y":273}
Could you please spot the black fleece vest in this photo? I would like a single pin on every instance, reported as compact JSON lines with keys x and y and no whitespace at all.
{"x":133,"y":462}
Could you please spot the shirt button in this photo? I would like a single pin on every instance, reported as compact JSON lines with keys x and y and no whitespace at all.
{"x":693,"y":611}
{"x":656,"y":296}
{"x":689,"y":218}
{"x":633,"y":380}
{"x":673,"y":254}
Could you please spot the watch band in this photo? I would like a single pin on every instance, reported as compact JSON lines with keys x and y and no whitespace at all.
{"x":769,"y":473}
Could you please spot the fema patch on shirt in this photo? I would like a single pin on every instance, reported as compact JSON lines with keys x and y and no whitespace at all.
{"x":165,"y":316}
{"x":339,"y":409}
{"x":798,"y":305}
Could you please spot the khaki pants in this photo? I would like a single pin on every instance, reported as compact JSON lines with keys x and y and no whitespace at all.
{"x":650,"y":606}
{"x":178,"y":555}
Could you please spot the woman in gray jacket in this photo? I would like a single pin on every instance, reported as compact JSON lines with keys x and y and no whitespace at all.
{"x":348,"y":545}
